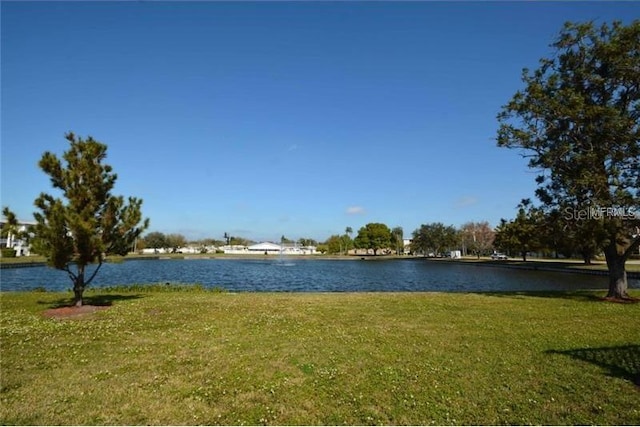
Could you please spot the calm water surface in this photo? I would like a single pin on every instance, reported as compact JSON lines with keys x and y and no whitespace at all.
{"x":303,"y":275}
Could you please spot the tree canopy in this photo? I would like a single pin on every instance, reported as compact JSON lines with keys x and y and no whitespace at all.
{"x":155,"y":240}
{"x":577,"y":120}
{"x":521,"y":235}
{"x":175,"y":241}
{"x":477,"y":237}
{"x":433,"y":238}
{"x":87,"y":222}
{"x":374,"y":236}
{"x":336,"y":244}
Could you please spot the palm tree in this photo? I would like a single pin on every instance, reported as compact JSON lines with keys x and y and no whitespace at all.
{"x":10,"y":228}
{"x":398,"y":236}
{"x":348,"y":231}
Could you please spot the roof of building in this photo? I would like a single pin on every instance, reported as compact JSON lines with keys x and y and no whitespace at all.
{"x":265,"y":246}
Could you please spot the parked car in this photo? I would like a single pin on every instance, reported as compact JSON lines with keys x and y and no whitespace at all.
{"x":499,"y":256}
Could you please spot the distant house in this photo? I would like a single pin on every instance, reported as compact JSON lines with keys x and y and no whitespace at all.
{"x":148,"y":251}
{"x":21,"y":246}
{"x":235,"y":249}
{"x":270,"y":249}
{"x":190,"y":250}
{"x":406,"y":243}
{"x":181,"y":250}
{"x":295,"y":249}
{"x":265,"y":247}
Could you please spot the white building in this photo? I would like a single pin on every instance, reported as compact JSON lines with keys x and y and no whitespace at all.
{"x":268,"y":248}
{"x":406,"y":245}
{"x":151,"y":251}
{"x":21,"y":246}
{"x":295,"y":249}
{"x":265,"y":247}
{"x":235,"y":249}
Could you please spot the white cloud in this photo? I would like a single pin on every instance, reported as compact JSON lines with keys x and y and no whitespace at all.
{"x":355,"y":210}
{"x":465,"y":201}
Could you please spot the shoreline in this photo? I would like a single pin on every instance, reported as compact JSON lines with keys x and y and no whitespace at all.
{"x":550,"y":265}
{"x":540,"y":265}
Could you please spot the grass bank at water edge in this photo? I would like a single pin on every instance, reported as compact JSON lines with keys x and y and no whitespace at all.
{"x":386,"y":358}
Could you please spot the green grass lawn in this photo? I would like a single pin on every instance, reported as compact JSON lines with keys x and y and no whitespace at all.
{"x":336,"y":358}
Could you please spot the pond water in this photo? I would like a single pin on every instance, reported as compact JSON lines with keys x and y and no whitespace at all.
{"x":305,"y":275}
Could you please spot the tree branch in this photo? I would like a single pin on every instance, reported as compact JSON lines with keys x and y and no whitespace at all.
{"x":72,"y":276}
{"x":94,"y":273}
{"x":635,"y":244}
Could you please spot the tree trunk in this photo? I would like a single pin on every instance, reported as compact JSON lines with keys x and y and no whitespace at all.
{"x":78,"y":288}
{"x":77,"y":296}
{"x":617,"y":273}
{"x":524,"y":256}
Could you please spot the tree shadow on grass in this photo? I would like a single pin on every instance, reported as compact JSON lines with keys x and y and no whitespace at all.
{"x":621,"y":361}
{"x":584,"y":296}
{"x":104,"y":300}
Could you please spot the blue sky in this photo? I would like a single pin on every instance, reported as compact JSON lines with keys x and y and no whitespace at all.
{"x":279,"y":118}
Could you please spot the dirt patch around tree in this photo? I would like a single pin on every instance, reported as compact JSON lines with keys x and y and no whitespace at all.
{"x":83,"y":312}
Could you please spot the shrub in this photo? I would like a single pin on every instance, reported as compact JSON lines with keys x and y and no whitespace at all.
{"x":8,"y":253}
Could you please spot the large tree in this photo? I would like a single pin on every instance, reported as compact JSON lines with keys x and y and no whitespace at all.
{"x":155,"y":240}
{"x":577,"y":120}
{"x":373,"y":236}
{"x":435,"y":238}
{"x":336,"y":244}
{"x":477,"y":237}
{"x":88,"y":222}
{"x":175,"y":241}
{"x":522,"y":235}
